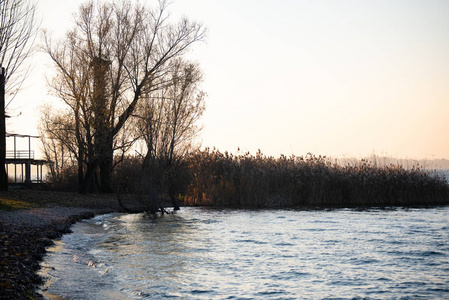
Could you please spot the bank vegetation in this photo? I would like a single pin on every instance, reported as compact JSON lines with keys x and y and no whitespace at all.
{"x":212,"y":178}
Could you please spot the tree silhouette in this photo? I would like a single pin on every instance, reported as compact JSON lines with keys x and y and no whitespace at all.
{"x":17,"y":33}
{"x":116,"y":54}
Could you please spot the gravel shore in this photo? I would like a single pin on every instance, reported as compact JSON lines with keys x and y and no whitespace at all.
{"x":29,"y":224}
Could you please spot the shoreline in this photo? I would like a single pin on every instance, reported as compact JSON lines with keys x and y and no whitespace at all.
{"x":35,"y":219}
{"x":30,"y":221}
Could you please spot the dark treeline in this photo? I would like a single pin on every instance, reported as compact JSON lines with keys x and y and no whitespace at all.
{"x":212,"y":178}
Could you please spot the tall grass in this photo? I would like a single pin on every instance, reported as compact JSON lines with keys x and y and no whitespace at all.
{"x":223,"y":179}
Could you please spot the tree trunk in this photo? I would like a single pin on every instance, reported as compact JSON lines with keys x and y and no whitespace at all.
{"x":79,"y":141}
{"x":104,"y":139}
{"x":170,"y":170}
{"x":88,"y":179}
{"x":106,"y":167}
{"x":80,"y":164}
{"x":173,"y":200}
{"x":80,"y":173}
{"x":3,"y":175}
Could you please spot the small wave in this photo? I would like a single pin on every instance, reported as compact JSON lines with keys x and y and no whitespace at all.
{"x":358,"y":261}
{"x":430,"y":253}
{"x":439,"y":290}
{"x":315,"y":229}
{"x":284,"y":244}
{"x":271,"y":293}
{"x":196,"y":292}
{"x":383,"y":279}
{"x":252,"y":241}
{"x":210,"y":221}
{"x":290,"y":275}
{"x":252,"y":255}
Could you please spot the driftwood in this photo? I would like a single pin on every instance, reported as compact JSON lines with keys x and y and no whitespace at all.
{"x":147,"y":196}
{"x":124,"y":207}
{"x":151,"y":204}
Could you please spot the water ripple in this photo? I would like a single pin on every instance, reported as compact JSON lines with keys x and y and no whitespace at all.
{"x":244,"y":254}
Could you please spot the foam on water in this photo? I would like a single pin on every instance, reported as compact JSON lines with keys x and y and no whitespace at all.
{"x":270,"y":254}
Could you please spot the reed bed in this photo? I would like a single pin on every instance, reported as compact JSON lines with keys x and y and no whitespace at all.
{"x":245,"y":180}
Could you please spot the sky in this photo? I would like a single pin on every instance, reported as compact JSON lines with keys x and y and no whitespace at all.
{"x":343,"y":78}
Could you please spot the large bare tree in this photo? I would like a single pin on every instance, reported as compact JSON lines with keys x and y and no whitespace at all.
{"x":17,"y":33}
{"x":168,"y":119}
{"x":168,"y":122}
{"x":116,"y":54}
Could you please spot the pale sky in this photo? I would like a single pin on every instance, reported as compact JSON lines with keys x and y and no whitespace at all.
{"x":336,"y":78}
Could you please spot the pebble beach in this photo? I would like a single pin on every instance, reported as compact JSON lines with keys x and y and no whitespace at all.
{"x":29,"y":222}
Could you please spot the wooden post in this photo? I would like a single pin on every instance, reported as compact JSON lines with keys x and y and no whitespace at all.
{"x":28,"y":172}
{"x":3,"y":175}
{"x":15,"y":163}
{"x":28,"y":163}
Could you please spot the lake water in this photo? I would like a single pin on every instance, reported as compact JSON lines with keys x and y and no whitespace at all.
{"x":263,"y":254}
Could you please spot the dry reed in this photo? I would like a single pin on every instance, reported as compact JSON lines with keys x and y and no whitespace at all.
{"x":223,"y":179}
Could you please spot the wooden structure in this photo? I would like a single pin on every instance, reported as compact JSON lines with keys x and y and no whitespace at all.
{"x":25,"y":159}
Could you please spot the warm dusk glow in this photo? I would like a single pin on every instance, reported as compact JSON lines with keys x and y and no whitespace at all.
{"x":328,"y":77}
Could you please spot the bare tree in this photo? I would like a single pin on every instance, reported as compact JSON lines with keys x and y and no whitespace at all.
{"x":116,"y":54}
{"x":59,"y":142}
{"x":186,"y":106}
{"x":17,"y":32}
{"x":168,"y":119}
{"x":168,"y":122}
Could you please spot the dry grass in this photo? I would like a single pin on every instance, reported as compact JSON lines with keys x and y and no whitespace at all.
{"x":223,"y":179}
{"x":10,"y":204}
{"x":28,"y":198}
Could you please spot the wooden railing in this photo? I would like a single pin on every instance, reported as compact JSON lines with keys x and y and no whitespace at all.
{"x":20,"y":154}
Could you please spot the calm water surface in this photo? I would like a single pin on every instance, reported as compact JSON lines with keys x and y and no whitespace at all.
{"x":243,"y":254}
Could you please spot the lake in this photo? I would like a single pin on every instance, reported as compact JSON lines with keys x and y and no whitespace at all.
{"x":201,"y":253}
